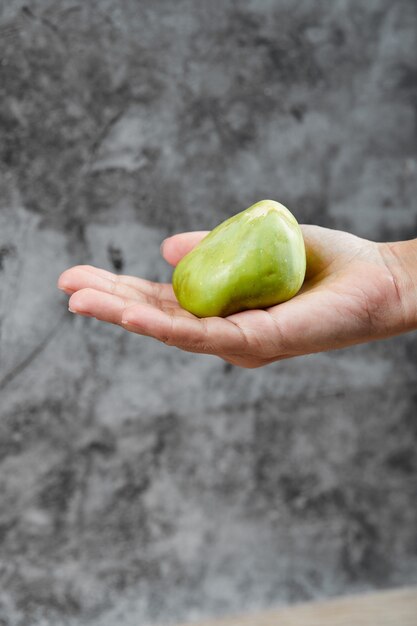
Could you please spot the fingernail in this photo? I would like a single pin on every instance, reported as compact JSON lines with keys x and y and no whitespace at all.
{"x":161,"y":247}
{"x":83,"y":313}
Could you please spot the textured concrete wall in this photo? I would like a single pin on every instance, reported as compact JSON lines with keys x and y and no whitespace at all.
{"x":139,"y":484}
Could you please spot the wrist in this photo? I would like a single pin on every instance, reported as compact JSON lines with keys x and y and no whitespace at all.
{"x":401,"y":260}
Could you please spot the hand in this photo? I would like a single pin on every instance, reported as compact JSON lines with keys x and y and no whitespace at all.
{"x":350,"y":295}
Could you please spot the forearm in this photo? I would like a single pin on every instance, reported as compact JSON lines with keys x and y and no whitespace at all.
{"x":401,"y":259}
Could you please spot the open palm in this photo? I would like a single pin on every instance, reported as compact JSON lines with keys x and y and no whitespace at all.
{"x":349,"y":296}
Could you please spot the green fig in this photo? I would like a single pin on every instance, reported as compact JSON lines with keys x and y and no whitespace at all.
{"x":253,"y":260}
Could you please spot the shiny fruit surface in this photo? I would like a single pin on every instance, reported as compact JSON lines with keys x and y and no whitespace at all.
{"x":254,"y":259}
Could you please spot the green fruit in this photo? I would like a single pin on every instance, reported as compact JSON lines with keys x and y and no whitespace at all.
{"x":253,"y":260}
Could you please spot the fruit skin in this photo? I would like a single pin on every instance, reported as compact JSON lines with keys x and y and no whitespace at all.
{"x":253,"y":260}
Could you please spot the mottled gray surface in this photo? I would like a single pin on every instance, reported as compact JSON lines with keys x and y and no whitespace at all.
{"x":139,"y":484}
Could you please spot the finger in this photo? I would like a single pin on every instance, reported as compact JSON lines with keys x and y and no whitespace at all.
{"x":157,"y":291}
{"x":87,"y":276}
{"x":101,"y":305}
{"x":109,"y":307}
{"x":68,"y":280}
{"x":211,"y":335}
{"x":174,"y":248}
{"x":171,"y":326}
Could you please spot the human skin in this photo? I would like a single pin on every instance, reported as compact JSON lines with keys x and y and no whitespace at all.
{"x":355,"y":291}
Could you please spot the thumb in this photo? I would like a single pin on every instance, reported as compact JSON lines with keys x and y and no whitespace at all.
{"x":175,"y":247}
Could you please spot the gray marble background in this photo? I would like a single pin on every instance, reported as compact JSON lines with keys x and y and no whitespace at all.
{"x":142,"y":485}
